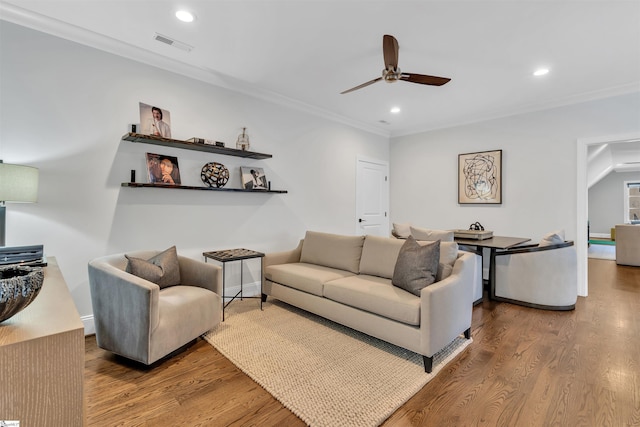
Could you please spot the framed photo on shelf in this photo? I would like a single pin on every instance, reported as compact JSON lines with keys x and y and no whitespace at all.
{"x":163,"y":169}
{"x":253,"y":178}
{"x":154,"y":121}
{"x":480,"y":178}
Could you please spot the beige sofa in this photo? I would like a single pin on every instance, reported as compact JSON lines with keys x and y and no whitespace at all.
{"x":628,"y":244}
{"x":347,"y":279}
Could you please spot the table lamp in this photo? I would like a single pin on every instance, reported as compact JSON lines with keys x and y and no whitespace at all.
{"x":17,"y":184}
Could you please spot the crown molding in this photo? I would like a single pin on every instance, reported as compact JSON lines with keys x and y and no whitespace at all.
{"x":54,"y":27}
{"x":529,"y":108}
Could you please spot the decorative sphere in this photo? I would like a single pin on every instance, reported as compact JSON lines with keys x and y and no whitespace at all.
{"x":214,"y":174}
{"x":18,"y":287}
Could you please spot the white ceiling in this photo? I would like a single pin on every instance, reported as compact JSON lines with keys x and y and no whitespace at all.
{"x":304,"y":53}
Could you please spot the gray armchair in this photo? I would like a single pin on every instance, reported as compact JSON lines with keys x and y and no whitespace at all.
{"x":537,"y":276}
{"x":137,"y":319}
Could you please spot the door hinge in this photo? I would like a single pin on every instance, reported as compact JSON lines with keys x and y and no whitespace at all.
{"x":385,"y":179}
{"x":385,"y":214}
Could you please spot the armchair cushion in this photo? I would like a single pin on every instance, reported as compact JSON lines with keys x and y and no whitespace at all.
{"x":162,"y":269}
{"x":417,"y":265}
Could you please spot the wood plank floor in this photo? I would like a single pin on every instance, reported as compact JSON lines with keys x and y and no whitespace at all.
{"x":526,"y":367}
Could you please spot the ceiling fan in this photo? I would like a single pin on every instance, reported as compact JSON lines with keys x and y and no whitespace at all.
{"x":392,"y":73}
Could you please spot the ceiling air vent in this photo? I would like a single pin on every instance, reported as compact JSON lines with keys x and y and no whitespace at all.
{"x":173,"y":42}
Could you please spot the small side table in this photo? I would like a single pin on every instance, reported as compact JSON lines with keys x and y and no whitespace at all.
{"x":228,"y":255}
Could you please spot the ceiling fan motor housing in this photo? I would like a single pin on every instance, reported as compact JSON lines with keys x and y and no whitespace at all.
{"x":391,"y":75}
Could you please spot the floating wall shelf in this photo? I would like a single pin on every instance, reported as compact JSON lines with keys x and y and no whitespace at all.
{"x":167,"y":142}
{"x":189,"y":187}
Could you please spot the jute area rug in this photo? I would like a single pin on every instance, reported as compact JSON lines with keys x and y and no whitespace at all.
{"x":325,"y":373}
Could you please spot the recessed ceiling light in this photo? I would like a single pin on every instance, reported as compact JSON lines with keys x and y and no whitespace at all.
{"x":395,"y":110}
{"x":541,"y":72}
{"x":185,"y":16}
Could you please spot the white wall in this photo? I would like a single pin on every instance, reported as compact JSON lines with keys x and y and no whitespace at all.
{"x":64,"y":108}
{"x":606,"y":201}
{"x":539,"y":168}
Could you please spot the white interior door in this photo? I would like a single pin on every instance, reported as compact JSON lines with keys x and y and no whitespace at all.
{"x":372,"y":197}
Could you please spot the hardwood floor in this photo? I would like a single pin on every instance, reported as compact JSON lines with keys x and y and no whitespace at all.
{"x":526,"y":367}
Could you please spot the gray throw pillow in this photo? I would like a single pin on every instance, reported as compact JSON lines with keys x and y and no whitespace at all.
{"x":417,"y":265}
{"x":162,"y":269}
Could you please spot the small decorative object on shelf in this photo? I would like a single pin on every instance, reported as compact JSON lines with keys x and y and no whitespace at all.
{"x":253,"y":178}
{"x":206,"y":141}
{"x":19,"y":286}
{"x":243,"y":141}
{"x":214,"y":174}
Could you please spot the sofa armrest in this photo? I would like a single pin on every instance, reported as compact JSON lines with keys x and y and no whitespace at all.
{"x":446,"y":306}
{"x":284,"y":257}
{"x":200,"y":274}
{"x":124,"y":305}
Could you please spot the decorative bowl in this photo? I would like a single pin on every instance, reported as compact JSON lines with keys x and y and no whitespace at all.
{"x":18,"y":287}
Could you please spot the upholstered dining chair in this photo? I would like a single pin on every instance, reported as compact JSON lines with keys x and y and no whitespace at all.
{"x":537,"y":276}
{"x":145,"y":318}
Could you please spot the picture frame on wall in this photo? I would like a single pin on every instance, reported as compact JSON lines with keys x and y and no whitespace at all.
{"x":155,"y":121}
{"x":163,"y":169}
{"x":480,"y":178}
{"x":253,"y":178}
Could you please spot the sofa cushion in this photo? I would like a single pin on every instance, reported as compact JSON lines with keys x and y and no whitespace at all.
{"x":448,"y":257}
{"x":332,"y":250}
{"x":417,"y":265}
{"x":401,"y":231}
{"x":162,"y":269}
{"x":432,"y":235}
{"x":379,"y":255}
{"x":306,"y":277}
{"x":376,"y":295}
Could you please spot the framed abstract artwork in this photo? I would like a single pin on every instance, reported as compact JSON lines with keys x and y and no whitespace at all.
{"x":480,"y":178}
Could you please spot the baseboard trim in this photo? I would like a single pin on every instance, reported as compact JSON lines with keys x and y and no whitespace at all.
{"x":89,"y":325}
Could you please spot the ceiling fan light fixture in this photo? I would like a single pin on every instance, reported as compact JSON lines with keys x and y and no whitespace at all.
{"x":185,"y":16}
{"x":541,"y":72}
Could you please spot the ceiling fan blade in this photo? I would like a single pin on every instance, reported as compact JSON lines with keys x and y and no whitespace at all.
{"x":390,"y":51}
{"x":424,"y":80}
{"x":370,"y":82}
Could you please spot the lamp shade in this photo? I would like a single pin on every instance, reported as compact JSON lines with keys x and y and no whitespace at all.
{"x":18,"y":183}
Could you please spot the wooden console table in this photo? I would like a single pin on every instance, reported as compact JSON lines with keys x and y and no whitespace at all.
{"x":42,"y":359}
